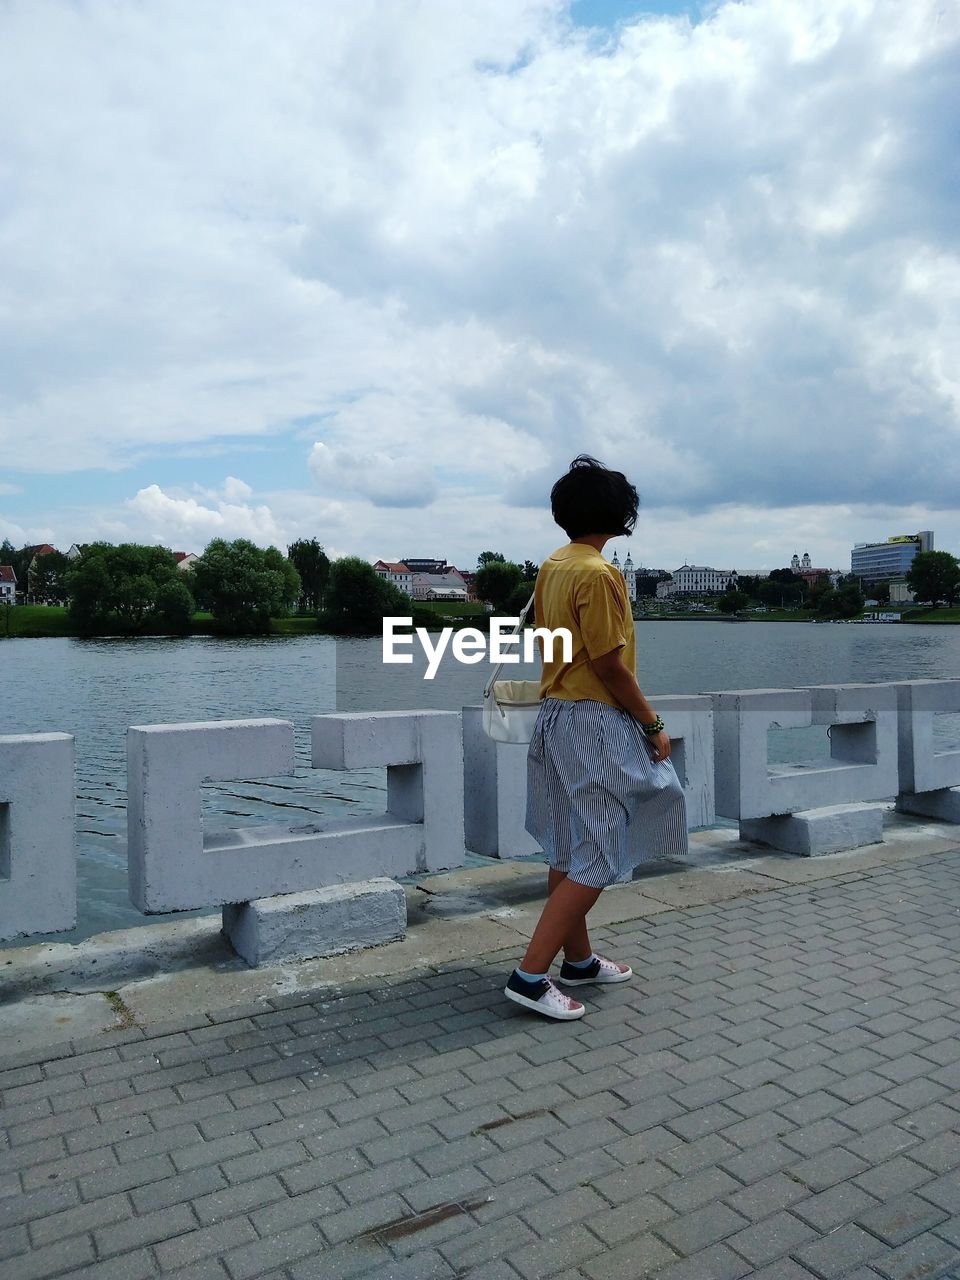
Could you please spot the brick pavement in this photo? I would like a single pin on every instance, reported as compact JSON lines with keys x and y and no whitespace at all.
{"x":776,"y":1095}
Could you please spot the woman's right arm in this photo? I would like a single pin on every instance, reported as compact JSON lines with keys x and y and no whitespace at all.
{"x":622,"y":684}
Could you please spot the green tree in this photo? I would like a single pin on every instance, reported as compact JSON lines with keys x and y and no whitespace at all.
{"x":175,"y":605}
{"x":119,"y":586}
{"x":244,"y":586}
{"x":357,"y":599}
{"x":934,"y":576}
{"x":733,"y":601}
{"x":845,"y":601}
{"x":497,"y":581}
{"x":881,"y":592}
{"x":18,"y":560}
{"x":48,"y":578}
{"x":313,"y":565}
{"x":489,"y":557}
{"x":530,"y":571}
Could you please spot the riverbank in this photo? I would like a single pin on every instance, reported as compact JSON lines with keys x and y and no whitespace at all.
{"x":38,"y":621}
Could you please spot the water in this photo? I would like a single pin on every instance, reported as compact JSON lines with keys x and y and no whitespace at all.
{"x":95,"y":689}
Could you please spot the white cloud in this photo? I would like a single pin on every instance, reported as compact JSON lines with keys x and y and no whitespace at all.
{"x":386,"y":481}
{"x":467,"y":242}
{"x":180,"y":519}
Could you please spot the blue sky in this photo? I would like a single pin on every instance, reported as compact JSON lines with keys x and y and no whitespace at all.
{"x":375,"y":273}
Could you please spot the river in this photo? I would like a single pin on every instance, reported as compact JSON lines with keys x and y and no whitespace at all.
{"x":95,"y":689}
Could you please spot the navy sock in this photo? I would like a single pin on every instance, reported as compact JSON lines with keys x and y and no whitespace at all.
{"x":581,"y":964}
{"x":530,"y":977}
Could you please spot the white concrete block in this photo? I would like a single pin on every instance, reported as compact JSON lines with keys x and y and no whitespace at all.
{"x":689,"y":722}
{"x":494,"y":792}
{"x":320,"y":922}
{"x":38,"y":873}
{"x":922,"y":768}
{"x":863,"y":729}
{"x":815,"y":831}
{"x":943,"y":804}
{"x":171,"y":867}
{"x":423,"y":755}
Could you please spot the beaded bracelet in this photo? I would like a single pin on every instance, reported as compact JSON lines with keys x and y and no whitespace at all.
{"x":657,"y":727}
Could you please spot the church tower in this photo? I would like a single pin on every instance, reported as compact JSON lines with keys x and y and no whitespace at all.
{"x":630,"y":573}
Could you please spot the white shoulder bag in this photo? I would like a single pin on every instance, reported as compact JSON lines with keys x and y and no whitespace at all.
{"x":511,"y":707}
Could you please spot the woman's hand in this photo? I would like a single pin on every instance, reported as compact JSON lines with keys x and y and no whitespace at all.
{"x":660,"y":744}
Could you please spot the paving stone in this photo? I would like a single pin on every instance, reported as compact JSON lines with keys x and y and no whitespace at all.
{"x":771,"y":1238}
{"x":826,"y":1168}
{"x":81,"y":1218}
{"x":926,"y":1255}
{"x":51,"y":1260}
{"x":571,"y":1247}
{"x":694,"y":1231}
{"x":203,"y":1242}
{"x":638,"y":1214}
{"x":144,"y":1229}
{"x":840,"y":1251}
{"x":643,"y":1256}
{"x":833,"y":1207}
{"x":225,"y":1201}
{"x":901,"y":1219}
{"x":893,"y":1177}
{"x":251,"y":1261}
{"x":718,"y":1261}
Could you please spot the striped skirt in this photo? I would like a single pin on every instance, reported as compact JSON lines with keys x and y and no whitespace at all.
{"x":597,"y":802}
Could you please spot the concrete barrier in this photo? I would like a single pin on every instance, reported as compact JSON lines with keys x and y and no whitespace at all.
{"x":881,"y":748}
{"x":929,"y":779}
{"x":494,"y":792}
{"x":38,"y":871}
{"x":173,"y":867}
{"x":861,"y":721}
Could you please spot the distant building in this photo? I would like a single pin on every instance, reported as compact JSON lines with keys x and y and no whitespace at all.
{"x":629,"y":574}
{"x":8,"y":584}
{"x":396,"y":571}
{"x":804,"y":569}
{"x":890,"y":560}
{"x":416,"y":565}
{"x":697,"y":580}
{"x":185,"y":559}
{"x":439,"y":586}
{"x":74,"y":553}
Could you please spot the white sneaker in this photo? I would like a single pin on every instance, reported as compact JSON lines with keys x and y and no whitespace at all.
{"x":543,"y":997}
{"x":602,"y":970}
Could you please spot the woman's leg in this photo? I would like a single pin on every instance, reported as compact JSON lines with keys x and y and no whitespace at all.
{"x":563,"y":916}
{"x":576,"y":945}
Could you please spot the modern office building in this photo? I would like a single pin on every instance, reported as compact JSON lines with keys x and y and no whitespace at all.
{"x":891,"y":560}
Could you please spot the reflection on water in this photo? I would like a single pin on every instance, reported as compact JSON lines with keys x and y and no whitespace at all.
{"x":95,"y":689}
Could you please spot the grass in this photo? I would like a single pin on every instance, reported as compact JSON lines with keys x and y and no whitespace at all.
{"x":31,"y":620}
{"x":946,"y":613}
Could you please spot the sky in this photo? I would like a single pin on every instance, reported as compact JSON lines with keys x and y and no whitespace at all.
{"x":375,"y":273}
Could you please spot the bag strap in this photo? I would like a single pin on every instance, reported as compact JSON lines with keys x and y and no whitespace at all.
{"x":516,"y":631}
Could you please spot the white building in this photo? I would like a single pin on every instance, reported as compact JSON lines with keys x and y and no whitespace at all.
{"x":8,"y":584}
{"x":185,"y":559}
{"x":629,"y":573}
{"x":697,"y":580}
{"x":397,"y":572}
{"x":439,"y":586}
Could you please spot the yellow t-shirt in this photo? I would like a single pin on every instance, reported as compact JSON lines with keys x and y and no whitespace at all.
{"x":578,"y":589}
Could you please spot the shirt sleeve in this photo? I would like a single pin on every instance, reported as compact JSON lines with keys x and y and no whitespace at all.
{"x":600,"y":614}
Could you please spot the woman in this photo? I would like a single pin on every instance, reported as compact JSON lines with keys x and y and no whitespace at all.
{"x":602,"y":795}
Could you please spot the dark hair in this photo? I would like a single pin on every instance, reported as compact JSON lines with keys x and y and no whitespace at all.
{"x":590,"y":498}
